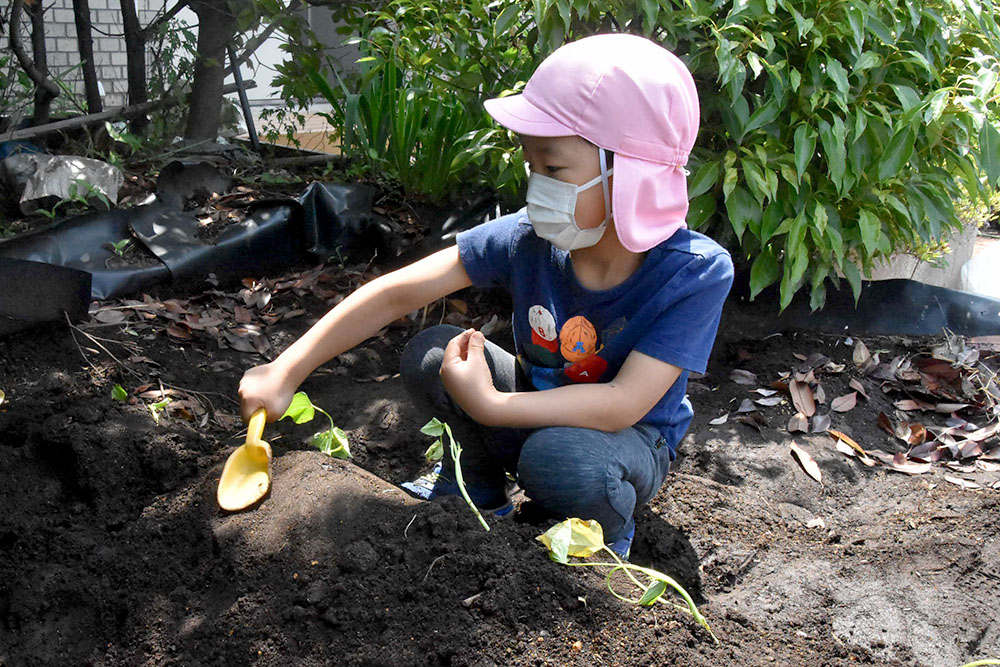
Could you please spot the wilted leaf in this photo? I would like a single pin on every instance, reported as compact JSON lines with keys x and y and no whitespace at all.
{"x":799,"y":423}
{"x":746,"y":406}
{"x":850,"y":441}
{"x":242,"y":315}
{"x":821,"y":423}
{"x":573,"y":537}
{"x":861,"y":355}
{"x":769,"y":401}
{"x":110,"y":316}
{"x":766,"y":392}
{"x":807,"y":462}
{"x":899,"y":463}
{"x":3,"y":396}
{"x":834,"y":368}
{"x":984,"y":433}
{"x":844,"y":403}
{"x":928,"y":452}
{"x":435,"y":451}
{"x":800,"y":357}
{"x":908,"y":404}
{"x":856,"y":385}
{"x":752,"y":419}
{"x":802,"y":398}
{"x":819,"y":394}
{"x":947,"y":408}
{"x":459,"y":305}
{"x":964,"y":483}
{"x":847,"y":450}
{"x":917,"y":434}
{"x":740,"y":376}
{"x":720,"y":420}
{"x":179,"y":330}
{"x":885,"y":424}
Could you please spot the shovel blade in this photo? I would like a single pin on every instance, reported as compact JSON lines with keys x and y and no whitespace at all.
{"x":246,"y":477}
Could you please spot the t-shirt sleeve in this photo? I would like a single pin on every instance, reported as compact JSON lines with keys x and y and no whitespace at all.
{"x":684,"y":331}
{"x":485,"y":251}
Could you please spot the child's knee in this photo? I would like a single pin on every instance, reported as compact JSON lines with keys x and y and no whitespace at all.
{"x":421,"y":358}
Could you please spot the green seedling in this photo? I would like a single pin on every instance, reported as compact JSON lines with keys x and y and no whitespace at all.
{"x":156,"y":408}
{"x":438,"y":429}
{"x":119,"y":394}
{"x":118,"y":247}
{"x":333,"y":441}
{"x":582,"y":539}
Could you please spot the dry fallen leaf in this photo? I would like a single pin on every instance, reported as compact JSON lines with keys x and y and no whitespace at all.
{"x":846,"y":450}
{"x":807,"y":462}
{"x":908,"y":404}
{"x":856,"y":385}
{"x":766,"y":392}
{"x":845,"y":402}
{"x":769,"y":401}
{"x":964,"y":483}
{"x":802,"y":398}
{"x":740,"y":376}
{"x":819,"y":394}
{"x":720,"y":420}
{"x":821,"y":423}
{"x":110,"y":316}
{"x":746,"y":406}
{"x":798,"y":423}
{"x":861,"y":355}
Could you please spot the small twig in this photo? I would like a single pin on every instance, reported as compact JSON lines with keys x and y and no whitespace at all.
{"x":98,"y":343}
{"x":433,"y":563}
{"x":408,"y":525}
{"x":72,"y":334}
{"x":469,"y":601}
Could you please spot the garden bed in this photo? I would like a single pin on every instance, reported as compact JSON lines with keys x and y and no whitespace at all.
{"x":116,"y":553}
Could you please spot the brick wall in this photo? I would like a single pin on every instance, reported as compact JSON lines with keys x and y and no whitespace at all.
{"x":109,"y":46}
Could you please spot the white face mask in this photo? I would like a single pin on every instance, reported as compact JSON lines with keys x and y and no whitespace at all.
{"x":552,"y":209}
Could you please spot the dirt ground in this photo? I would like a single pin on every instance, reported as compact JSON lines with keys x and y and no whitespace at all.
{"x":114,"y":551}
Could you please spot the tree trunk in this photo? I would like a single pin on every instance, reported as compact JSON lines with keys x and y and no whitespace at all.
{"x":85,"y":45}
{"x":43,"y":94}
{"x":216,"y":28}
{"x":135,"y":49}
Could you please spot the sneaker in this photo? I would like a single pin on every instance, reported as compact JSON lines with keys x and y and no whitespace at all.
{"x":623,"y":546}
{"x":436,"y":483}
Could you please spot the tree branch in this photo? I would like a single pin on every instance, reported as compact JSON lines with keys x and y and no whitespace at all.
{"x":155,"y":24}
{"x":36,"y":75}
{"x":253,"y":44}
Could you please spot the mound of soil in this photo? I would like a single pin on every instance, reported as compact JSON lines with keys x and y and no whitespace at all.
{"x":116,"y":553}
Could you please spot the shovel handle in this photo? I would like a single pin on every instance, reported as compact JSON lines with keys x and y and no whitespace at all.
{"x":256,"y":428}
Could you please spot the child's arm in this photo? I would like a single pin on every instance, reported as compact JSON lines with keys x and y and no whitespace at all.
{"x":611,"y":406}
{"x":367,"y":310}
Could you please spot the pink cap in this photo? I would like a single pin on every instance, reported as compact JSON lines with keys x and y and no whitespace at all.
{"x":627,"y":95}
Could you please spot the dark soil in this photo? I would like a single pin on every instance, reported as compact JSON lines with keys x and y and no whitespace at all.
{"x":114,"y":551}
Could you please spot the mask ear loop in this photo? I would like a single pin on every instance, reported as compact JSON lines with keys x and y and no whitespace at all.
{"x":605,"y":172}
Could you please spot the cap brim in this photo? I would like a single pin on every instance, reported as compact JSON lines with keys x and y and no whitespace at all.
{"x":650,"y":202}
{"x":521,"y":116}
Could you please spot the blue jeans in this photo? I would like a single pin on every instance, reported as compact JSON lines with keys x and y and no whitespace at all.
{"x":571,"y":472}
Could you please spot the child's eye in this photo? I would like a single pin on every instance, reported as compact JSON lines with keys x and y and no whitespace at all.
{"x":550,"y":169}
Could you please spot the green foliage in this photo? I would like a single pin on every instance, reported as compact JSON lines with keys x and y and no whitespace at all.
{"x":832,"y":133}
{"x":80,"y":196}
{"x":333,"y":441}
{"x":119,"y":394}
{"x":438,"y":429}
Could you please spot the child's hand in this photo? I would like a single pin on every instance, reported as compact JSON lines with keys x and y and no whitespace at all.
{"x":265,"y":387}
{"x":466,"y":375}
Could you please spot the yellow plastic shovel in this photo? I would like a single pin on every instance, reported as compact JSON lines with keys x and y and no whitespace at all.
{"x":247,"y":474}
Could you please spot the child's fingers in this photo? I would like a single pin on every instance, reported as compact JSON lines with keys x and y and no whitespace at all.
{"x":457,"y":347}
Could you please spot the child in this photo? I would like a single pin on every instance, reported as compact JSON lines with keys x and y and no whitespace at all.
{"x":614,"y":299}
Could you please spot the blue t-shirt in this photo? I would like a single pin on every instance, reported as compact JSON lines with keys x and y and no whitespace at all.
{"x":564,"y":333}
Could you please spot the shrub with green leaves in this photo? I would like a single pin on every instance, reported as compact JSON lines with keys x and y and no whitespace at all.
{"x":833,"y":132}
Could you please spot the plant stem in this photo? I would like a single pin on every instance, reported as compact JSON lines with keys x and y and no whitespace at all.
{"x":456,"y":454}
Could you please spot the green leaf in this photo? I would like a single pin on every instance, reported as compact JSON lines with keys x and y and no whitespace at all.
{"x":435,"y":451}
{"x":908,"y":97}
{"x":652,"y":594}
{"x":763,"y":272}
{"x":989,"y":152}
{"x":300,"y":410}
{"x":897,"y":154}
{"x":853,"y":275}
{"x":332,"y":442}
{"x":433,"y":428}
{"x":762,"y":115}
{"x":118,"y":393}
{"x":742,"y":208}
{"x":559,"y":542}
{"x":838,"y":74}
{"x":868,"y":60}
{"x":871,"y":228}
{"x":703,"y":179}
{"x":805,"y":147}
{"x":700,"y":209}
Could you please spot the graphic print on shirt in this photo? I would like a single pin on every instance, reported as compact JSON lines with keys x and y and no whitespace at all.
{"x":544,"y":347}
{"x":573,"y":351}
